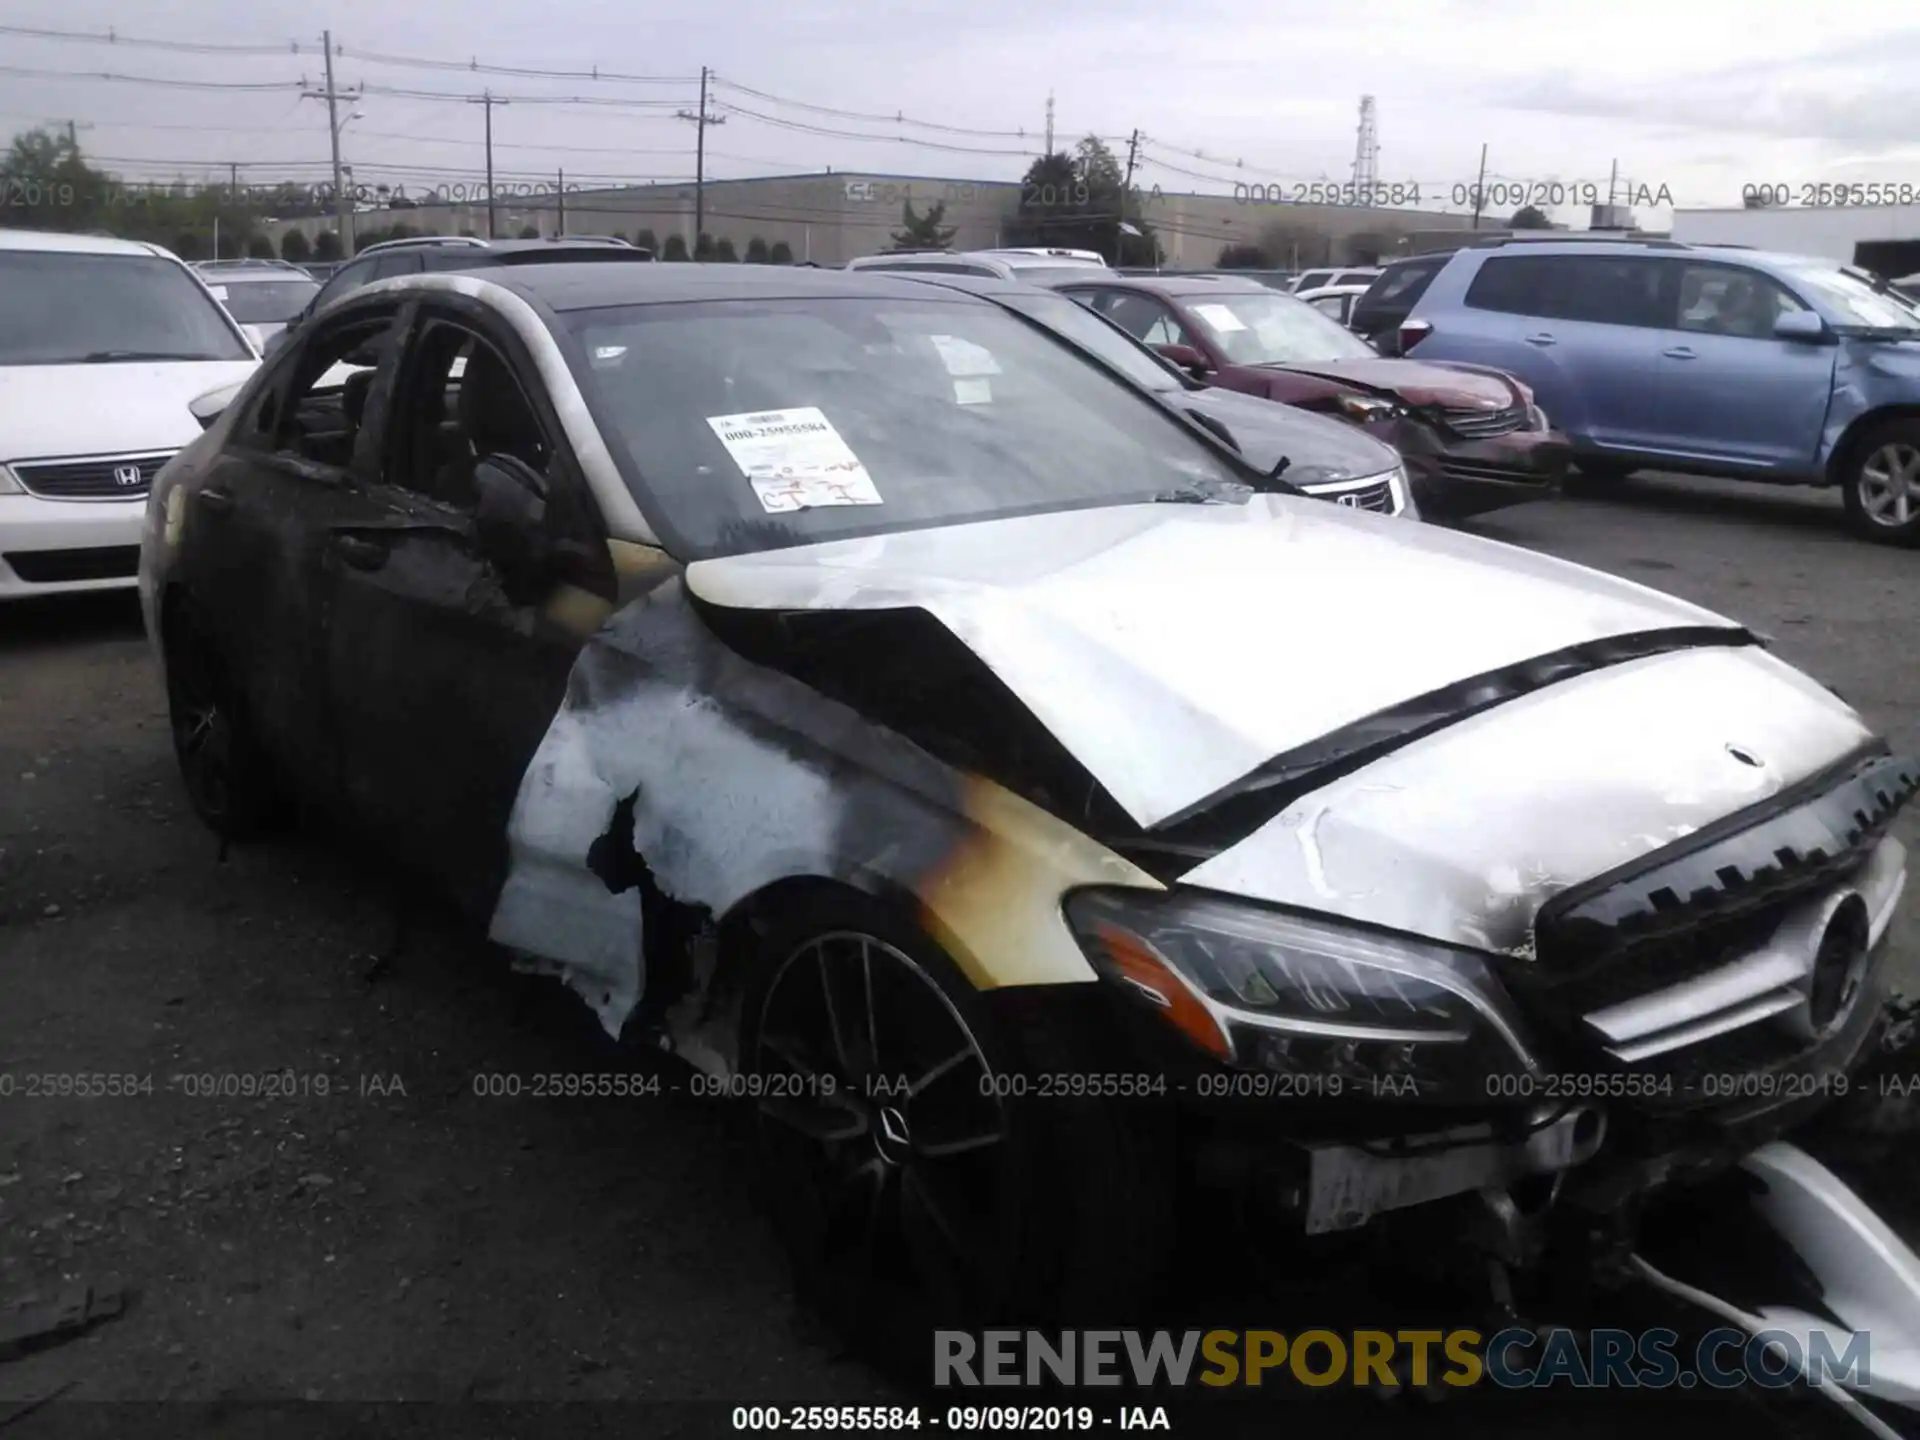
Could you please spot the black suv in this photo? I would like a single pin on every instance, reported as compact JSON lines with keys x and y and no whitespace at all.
{"x":1391,"y":297}
{"x":415,"y":254}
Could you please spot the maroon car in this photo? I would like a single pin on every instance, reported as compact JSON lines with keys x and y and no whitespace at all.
{"x":1472,"y":437}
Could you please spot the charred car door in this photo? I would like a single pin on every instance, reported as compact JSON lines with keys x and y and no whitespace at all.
{"x":456,"y":612}
{"x":255,"y":527}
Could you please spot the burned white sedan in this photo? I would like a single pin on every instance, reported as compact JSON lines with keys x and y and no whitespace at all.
{"x":847,"y":682}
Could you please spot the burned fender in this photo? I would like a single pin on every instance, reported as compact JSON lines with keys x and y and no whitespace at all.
{"x":677,"y":762}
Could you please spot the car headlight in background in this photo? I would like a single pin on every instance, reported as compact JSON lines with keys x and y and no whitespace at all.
{"x":1537,"y":418}
{"x":9,"y":485}
{"x":1261,"y":988}
{"x":1367,"y":408}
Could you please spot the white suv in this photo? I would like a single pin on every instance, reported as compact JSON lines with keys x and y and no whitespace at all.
{"x":103,"y":344}
{"x":1006,"y":264}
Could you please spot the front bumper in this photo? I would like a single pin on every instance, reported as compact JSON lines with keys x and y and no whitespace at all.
{"x":54,"y":547}
{"x":1454,"y":477}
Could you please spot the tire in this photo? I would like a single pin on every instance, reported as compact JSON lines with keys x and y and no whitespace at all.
{"x":1067,"y":1213}
{"x":1881,"y":484}
{"x":1596,"y":479}
{"x":228,"y":779}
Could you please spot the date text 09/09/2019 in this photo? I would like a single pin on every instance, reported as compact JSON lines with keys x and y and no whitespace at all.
{"x":961,"y":1419}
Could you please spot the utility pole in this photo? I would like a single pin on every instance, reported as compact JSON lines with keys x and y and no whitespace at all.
{"x":342,"y":206}
{"x":560,"y":205}
{"x":342,"y":202}
{"x":1480,"y":187}
{"x":487,"y":99}
{"x":701,"y":120}
{"x":1613,"y":181}
{"x":1126,"y":189}
{"x":1049,"y":122}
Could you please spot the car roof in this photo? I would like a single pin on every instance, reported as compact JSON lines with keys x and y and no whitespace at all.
{"x":1320,"y":292}
{"x":1167,"y":284}
{"x":595,"y":286}
{"x":239,"y":276}
{"x":54,"y":242}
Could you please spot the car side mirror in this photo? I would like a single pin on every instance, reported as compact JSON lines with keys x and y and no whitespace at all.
{"x":510,"y":524}
{"x":211,"y":406}
{"x":1188,"y":359}
{"x":1801,"y":325}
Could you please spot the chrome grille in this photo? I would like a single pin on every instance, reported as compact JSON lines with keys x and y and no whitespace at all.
{"x":1376,"y":496}
{"x":1471,"y":422}
{"x":99,"y":477}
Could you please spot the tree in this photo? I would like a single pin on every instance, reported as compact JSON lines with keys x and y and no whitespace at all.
{"x":780,"y":254}
{"x":1080,"y":200}
{"x":529,"y":232}
{"x":1530,"y":217}
{"x":703,"y":247}
{"x":923,"y":232}
{"x":326,"y":246}
{"x":190,"y":245}
{"x":259,"y":247}
{"x":723,"y":250}
{"x":295,"y":246}
{"x":470,"y":234}
{"x":676,"y":248}
{"x":47,"y":185}
{"x":644,"y":239}
{"x":756,"y":251}
{"x":1365,"y":247}
{"x":1243,"y":257}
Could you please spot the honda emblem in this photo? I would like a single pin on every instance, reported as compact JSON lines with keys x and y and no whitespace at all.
{"x":126,"y":476}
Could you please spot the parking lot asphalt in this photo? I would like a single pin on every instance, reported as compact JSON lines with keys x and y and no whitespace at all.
{"x":380,"y":1228}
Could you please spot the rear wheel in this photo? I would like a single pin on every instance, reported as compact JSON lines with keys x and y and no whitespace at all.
{"x":1881,"y":484}
{"x":229,"y":782}
{"x":914,"y":1184}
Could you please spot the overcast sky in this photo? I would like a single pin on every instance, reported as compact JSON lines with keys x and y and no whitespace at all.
{"x":1693,"y":98}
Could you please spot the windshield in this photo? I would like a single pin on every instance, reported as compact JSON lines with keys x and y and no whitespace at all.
{"x":1104,"y":341}
{"x":1852,"y":302}
{"x":1269,"y":328}
{"x":756,"y":425}
{"x":64,"y":309}
{"x":264,"y":302}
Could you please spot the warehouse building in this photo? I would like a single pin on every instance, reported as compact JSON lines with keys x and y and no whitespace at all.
{"x":831,"y":217}
{"x":1884,"y":238}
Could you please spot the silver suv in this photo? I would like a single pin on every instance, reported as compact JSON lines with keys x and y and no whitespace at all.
{"x":1005,"y":264}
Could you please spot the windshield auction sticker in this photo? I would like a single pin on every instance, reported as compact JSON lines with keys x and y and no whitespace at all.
{"x":795,"y":459}
{"x":1220,"y":317}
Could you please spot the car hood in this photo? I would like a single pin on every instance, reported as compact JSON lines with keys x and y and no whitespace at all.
{"x":1320,"y":449}
{"x":1417,"y":382}
{"x":1173,"y":649}
{"x":47,"y":411}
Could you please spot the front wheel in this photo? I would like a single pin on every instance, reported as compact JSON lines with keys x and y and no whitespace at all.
{"x":1881,"y":486}
{"x":914,"y":1186}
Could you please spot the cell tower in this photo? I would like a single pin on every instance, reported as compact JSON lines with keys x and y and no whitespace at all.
{"x":1366,"y":151}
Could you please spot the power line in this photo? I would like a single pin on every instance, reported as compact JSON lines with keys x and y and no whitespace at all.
{"x":113,"y":37}
{"x":894,"y":119}
{"x":150,"y":79}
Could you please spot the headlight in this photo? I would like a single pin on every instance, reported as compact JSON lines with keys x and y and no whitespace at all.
{"x":1367,"y":408}
{"x":9,"y":485}
{"x":1538,"y":418}
{"x":1260,"y":987}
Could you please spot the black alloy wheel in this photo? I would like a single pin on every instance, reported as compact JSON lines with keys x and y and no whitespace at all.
{"x":885,"y":1137}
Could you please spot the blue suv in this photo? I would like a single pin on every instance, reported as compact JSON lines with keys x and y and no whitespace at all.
{"x":1654,"y":354}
